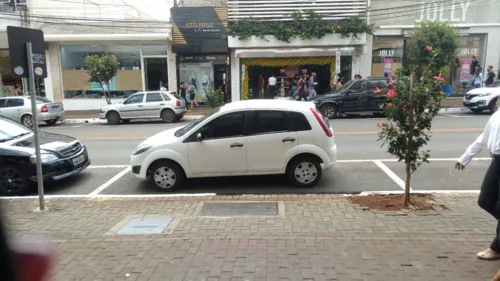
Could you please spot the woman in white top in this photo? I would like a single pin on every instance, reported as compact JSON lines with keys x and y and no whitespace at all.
{"x":477,"y":79}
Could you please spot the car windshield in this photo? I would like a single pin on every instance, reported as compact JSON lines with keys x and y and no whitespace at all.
{"x":41,"y":100}
{"x":182,"y":131}
{"x":345,"y":86}
{"x":10,"y":130}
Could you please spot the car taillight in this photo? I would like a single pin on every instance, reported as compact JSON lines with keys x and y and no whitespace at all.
{"x":177,"y":103}
{"x":321,"y":122}
{"x":44,"y":108}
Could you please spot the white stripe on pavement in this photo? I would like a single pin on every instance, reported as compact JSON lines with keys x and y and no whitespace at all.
{"x":391,"y":174}
{"x":110,"y":182}
{"x":108,"y":166}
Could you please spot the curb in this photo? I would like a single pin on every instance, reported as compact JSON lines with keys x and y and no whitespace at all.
{"x":455,"y":110}
{"x":103,"y":121}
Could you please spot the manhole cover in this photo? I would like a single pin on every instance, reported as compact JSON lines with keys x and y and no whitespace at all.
{"x":240,"y":209}
{"x":145,"y":226}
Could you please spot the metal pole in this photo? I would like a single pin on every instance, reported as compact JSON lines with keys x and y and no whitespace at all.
{"x":24,"y":83}
{"x":34,"y":111}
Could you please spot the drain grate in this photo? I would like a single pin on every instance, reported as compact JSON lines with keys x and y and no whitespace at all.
{"x":151,"y":225}
{"x":240,"y":209}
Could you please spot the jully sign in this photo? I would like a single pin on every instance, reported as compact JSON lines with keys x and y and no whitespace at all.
{"x":27,"y":57}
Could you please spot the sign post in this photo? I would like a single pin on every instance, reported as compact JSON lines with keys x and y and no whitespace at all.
{"x":337,"y":68}
{"x":27,"y":53}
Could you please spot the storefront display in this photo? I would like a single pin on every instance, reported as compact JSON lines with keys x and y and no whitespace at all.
{"x":387,"y":56}
{"x":291,"y":66}
{"x":130,"y":75}
{"x":200,"y":75}
{"x":471,"y":48}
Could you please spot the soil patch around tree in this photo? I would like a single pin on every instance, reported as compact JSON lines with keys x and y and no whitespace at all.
{"x":418,"y":202}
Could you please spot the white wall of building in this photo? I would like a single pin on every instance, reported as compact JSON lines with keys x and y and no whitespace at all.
{"x":151,"y":10}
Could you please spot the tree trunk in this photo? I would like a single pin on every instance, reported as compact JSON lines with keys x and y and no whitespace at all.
{"x":108,"y":97}
{"x":406,"y":196}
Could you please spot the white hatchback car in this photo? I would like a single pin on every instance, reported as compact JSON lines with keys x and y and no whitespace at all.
{"x":257,"y":137}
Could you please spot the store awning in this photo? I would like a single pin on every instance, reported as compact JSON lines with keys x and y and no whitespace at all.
{"x":106,"y":37}
{"x":295,"y":52}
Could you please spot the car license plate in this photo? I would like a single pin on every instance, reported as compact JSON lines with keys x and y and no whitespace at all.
{"x":78,"y":160}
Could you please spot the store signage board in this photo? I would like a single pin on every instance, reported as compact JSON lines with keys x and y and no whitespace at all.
{"x":337,"y":62}
{"x":18,"y":37}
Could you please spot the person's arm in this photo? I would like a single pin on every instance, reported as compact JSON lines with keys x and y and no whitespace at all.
{"x":477,"y":146}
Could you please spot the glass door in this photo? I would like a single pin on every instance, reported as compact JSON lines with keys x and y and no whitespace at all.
{"x":155,"y":73}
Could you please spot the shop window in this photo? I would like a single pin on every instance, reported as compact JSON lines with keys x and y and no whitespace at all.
{"x":387,"y":56}
{"x":470,"y":54}
{"x":127,"y":81}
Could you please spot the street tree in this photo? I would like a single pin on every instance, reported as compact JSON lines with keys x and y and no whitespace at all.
{"x":102,"y":69}
{"x":414,"y":98}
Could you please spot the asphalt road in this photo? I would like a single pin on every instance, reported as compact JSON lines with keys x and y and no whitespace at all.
{"x":363,"y":164}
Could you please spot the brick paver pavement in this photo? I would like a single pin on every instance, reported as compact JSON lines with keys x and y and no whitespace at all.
{"x":315,"y":237}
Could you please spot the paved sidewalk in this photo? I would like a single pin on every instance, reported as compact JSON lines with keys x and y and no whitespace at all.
{"x":314,"y":237}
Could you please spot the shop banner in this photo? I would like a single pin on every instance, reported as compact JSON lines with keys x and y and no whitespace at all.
{"x":388,"y":66}
{"x":96,"y":87}
{"x":200,"y":75}
{"x":465,"y":65}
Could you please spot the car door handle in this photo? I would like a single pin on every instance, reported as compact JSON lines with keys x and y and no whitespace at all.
{"x":236,"y":145}
{"x":139,"y":106}
{"x":162,"y":104}
{"x":288,"y":140}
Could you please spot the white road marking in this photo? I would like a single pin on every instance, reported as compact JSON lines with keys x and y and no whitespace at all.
{"x":452,"y":115}
{"x":391,"y":174}
{"x":110,"y":182}
{"x":79,"y":125}
{"x":108,"y":166}
{"x":396,"y":160}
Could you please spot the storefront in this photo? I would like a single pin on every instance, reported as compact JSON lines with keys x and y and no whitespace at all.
{"x":285,"y":61}
{"x":477,"y":25}
{"x":143,"y":65}
{"x":199,"y":38}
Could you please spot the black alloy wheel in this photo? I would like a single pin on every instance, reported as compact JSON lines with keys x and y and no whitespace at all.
{"x":13,"y":181}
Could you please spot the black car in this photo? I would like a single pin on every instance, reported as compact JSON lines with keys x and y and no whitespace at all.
{"x":61,"y":156}
{"x":355,"y":97}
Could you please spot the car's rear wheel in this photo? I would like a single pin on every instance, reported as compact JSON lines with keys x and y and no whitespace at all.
{"x":329,"y":110}
{"x":13,"y":181}
{"x":51,"y":122}
{"x":168,"y":116}
{"x":27,"y":120}
{"x":166,"y":175}
{"x":113,"y":118}
{"x":305,"y":171}
{"x":492,"y":107}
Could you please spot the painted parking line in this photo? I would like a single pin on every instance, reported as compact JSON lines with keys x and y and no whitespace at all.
{"x":110,"y":182}
{"x":391,"y":174}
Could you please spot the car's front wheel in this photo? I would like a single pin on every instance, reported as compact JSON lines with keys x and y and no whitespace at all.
{"x":113,"y":118}
{"x":166,"y":175}
{"x":305,"y":171}
{"x":476,"y":110}
{"x":492,"y":107}
{"x":13,"y":181}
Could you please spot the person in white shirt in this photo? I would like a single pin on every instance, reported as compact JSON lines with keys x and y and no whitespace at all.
{"x":272,"y":84}
{"x":489,"y":197}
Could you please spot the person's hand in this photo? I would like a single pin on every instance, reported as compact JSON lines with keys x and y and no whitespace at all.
{"x":459,"y":166}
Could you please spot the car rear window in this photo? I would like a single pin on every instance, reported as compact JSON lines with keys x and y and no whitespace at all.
{"x":270,"y":121}
{"x":176,"y":96}
{"x":300,"y":122}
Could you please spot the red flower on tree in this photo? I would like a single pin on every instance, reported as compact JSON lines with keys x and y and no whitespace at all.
{"x":428,"y":48}
{"x":392,"y":94}
{"x":377,"y":90}
{"x":439,"y":78}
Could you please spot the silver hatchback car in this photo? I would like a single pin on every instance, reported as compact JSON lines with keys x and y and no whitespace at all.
{"x":19,"y":110}
{"x":145,"y":105}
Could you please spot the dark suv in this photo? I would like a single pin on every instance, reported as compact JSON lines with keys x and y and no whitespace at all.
{"x":355,"y":97}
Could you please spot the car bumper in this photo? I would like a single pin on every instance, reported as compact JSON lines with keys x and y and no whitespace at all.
{"x":102,"y":115}
{"x":62,"y":168}
{"x":138,"y":167}
{"x":180,"y":111}
{"x":332,"y":155}
{"x":47,"y":116}
{"x":475,"y":103}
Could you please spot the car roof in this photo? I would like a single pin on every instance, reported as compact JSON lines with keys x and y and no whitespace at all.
{"x":267,"y":104}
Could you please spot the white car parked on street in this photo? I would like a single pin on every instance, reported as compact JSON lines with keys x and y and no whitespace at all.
{"x":19,"y":110}
{"x":256,"y":137}
{"x":484,"y":98}
{"x":145,"y":105}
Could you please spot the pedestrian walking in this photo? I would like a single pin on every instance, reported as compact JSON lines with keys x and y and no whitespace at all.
{"x":18,"y":90}
{"x":490,"y":77}
{"x":192,"y":95}
{"x":261,"y":86}
{"x":477,"y":80}
{"x":302,"y":90}
{"x":489,"y":196}
{"x":312,"y":85}
{"x":182,"y":93}
{"x":271,"y":84}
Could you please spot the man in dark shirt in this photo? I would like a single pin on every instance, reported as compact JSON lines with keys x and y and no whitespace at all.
{"x":490,"y":77}
{"x":182,"y":92}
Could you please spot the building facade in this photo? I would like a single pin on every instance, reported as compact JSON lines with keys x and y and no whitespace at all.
{"x":137,"y":33}
{"x":478,"y":23}
{"x":255,"y":59}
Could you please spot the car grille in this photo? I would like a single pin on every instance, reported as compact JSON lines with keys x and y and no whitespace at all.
{"x":71,"y":150}
{"x":470,"y":96}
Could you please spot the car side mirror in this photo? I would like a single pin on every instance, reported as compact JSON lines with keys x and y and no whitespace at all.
{"x":199,"y":137}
